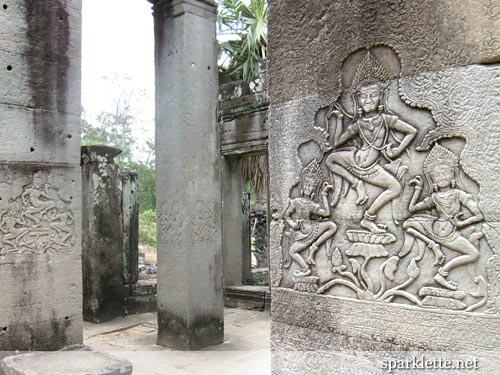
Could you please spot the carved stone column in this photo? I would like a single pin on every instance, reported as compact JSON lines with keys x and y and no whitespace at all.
{"x":40,"y":200}
{"x":102,"y":244}
{"x":190,"y":302}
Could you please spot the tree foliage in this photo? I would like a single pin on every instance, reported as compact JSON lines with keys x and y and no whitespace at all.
{"x":247,"y":21}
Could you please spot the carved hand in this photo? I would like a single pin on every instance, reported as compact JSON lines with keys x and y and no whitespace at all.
{"x":392,"y":152}
{"x":326,"y":187}
{"x":297,"y":223}
{"x":418,"y":182}
{"x":460,"y":223}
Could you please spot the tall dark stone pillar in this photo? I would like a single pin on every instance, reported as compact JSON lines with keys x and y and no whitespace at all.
{"x":190,"y":301}
{"x":130,"y":220}
{"x":102,"y":245}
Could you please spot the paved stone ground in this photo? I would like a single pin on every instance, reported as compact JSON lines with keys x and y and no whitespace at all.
{"x":245,"y":351}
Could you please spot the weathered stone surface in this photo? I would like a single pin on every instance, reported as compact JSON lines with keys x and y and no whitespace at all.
{"x":243,"y":125}
{"x":141,"y":297}
{"x":130,"y":225}
{"x":383,"y":181}
{"x":190,"y":301}
{"x":64,"y":362}
{"x":40,"y":189}
{"x":102,"y":245}
{"x":235,"y":271}
{"x":248,"y":297}
{"x":307,"y":48}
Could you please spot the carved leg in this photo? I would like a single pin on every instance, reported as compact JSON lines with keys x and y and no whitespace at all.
{"x":335,"y":163}
{"x":368,"y":222}
{"x":440,"y":278}
{"x":295,"y":249}
{"x":436,"y":249}
{"x":327,"y":230}
{"x":463,"y":246}
{"x":391,"y":186}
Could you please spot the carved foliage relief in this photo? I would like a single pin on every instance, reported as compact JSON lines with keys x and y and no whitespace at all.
{"x":394,"y":200}
{"x":38,"y":221}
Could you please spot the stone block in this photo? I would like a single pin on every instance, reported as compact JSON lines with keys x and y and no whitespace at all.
{"x":308,"y":49}
{"x":64,"y":362}
{"x":40,"y":257}
{"x":39,"y":136}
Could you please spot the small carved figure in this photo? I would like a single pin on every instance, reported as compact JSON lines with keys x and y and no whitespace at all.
{"x":441,"y":168}
{"x":374,"y":127}
{"x":13,"y":228}
{"x":37,"y":199}
{"x":61,"y":221}
{"x":307,"y":232}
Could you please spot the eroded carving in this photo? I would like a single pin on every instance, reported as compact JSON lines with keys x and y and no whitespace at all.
{"x":306,"y":232}
{"x":38,"y":221}
{"x":447,"y":199}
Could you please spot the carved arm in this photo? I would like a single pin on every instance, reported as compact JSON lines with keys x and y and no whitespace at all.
{"x":408,"y":130}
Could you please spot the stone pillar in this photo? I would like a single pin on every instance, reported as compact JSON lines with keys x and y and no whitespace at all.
{"x":130,"y":225}
{"x":40,"y":191}
{"x":232,"y":221}
{"x":384,"y":164}
{"x":246,"y":237}
{"x":190,"y":301}
{"x":102,"y":243}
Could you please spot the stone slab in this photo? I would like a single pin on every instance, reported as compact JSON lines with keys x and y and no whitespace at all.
{"x":74,"y":362}
{"x":248,"y":297}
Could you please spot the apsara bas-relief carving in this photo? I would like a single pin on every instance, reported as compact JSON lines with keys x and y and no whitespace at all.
{"x":38,"y":221}
{"x":173,"y":223}
{"x":386,"y":206}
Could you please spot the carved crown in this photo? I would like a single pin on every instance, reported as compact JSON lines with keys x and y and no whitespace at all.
{"x":369,"y":71}
{"x":313,"y":171}
{"x":439,"y":155}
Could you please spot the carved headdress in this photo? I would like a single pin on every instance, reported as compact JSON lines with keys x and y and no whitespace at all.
{"x":440,"y":155}
{"x":313,"y":171}
{"x":369,"y":71}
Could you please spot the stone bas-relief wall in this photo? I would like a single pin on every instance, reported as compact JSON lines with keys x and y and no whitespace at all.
{"x":385,"y":229}
{"x":40,"y":234}
{"x":40,"y":183}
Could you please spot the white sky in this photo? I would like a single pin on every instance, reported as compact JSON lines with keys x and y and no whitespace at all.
{"x":118,"y":58}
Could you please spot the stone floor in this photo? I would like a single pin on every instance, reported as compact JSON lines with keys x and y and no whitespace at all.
{"x":245,"y":351}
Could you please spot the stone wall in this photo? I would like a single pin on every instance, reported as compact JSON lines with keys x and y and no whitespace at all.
{"x":40,"y":188}
{"x":383,"y":138}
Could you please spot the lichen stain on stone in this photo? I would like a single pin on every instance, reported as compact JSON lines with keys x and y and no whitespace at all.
{"x":48,"y":37}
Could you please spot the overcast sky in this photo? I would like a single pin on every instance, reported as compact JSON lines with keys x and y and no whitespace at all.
{"x":117,"y":59}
